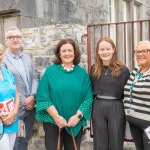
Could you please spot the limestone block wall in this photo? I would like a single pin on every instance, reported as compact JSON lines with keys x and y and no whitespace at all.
{"x":39,"y":42}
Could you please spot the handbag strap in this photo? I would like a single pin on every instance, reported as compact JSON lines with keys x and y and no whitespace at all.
{"x":74,"y":142}
{"x":58,"y":144}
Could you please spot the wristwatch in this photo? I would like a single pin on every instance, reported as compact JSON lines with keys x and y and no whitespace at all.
{"x":79,"y":116}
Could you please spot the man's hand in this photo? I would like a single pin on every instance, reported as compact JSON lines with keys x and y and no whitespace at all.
{"x":29,"y":103}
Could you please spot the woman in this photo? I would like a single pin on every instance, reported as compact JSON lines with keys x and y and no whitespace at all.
{"x":108,"y":76}
{"x":64,"y":97}
{"x":137,"y":97}
{"x":9,"y":105}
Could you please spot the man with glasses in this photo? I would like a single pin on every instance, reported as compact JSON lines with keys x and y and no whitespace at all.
{"x":23,"y":70}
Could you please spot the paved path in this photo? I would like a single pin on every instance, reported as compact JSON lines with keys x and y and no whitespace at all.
{"x":129,"y":146}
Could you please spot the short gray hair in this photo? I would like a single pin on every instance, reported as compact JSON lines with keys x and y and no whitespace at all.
{"x":11,"y":29}
{"x":143,"y":42}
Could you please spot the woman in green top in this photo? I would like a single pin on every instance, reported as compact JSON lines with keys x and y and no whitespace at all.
{"x":64,"y":97}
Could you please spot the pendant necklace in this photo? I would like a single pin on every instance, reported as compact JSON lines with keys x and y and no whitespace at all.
{"x":105,"y":71}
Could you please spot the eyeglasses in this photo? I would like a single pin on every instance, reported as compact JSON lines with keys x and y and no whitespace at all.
{"x":143,"y":51}
{"x":17,"y":37}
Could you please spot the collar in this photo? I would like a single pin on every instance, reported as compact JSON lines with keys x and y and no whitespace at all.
{"x":144,"y":73}
{"x":11,"y":55}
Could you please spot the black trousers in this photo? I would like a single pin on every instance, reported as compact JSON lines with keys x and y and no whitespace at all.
{"x":66,"y":141}
{"x":28,"y":118}
{"x":137,"y":127}
{"x":108,"y":120}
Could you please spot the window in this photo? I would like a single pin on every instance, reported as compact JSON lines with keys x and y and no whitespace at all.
{"x":111,"y":6}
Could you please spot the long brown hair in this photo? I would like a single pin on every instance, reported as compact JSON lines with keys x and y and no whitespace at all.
{"x":76,"y":48}
{"x":115,"y":64}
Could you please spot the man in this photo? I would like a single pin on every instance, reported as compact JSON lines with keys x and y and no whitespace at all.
{"x":23,"y":70}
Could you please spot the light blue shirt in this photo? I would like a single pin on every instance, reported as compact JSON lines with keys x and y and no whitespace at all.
{"x":7,"y":92}
{"x":17,"y":60}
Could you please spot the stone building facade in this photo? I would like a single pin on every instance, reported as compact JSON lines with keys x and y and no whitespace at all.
{"x":45,"y":22}
{"x":35,"y":13}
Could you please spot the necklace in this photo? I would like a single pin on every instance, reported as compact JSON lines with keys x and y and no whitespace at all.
{"x":67,"y":69}
{"x":142,"y":70}
{"x":105,"y":70}
{"x":137,"y":77}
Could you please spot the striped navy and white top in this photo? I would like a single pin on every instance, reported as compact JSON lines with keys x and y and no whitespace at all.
{"x":140,"y":96}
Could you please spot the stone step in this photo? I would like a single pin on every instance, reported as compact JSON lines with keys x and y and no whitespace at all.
{"x":88,"y":145}
{"x":38,"y":144}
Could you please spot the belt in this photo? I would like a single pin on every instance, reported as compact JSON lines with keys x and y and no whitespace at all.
{"x":106,"y":97}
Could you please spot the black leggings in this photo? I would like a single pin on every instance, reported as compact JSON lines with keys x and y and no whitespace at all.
{"x":108,"y":119}
{"x":51,"y":138}
{"x":137,"y":127}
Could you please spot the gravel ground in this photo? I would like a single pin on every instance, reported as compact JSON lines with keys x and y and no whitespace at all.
{"x":129,"y":146}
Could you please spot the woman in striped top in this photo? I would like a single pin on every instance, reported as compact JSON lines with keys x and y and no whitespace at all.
{"x":137,"y":97}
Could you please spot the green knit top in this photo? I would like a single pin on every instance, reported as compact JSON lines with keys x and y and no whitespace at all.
{"x":67,"y":91}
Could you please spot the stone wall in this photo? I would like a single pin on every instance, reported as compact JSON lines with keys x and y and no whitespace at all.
{"x":147,"y":6}
{"x":35,"y":13}
{"x":39,"y":42}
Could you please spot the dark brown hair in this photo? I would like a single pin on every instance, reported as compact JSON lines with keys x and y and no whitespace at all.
{"x":77,"y":53}
{"x":115,"y":64}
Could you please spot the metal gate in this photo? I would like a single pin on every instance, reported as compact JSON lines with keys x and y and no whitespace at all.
{"x":125,"y":35}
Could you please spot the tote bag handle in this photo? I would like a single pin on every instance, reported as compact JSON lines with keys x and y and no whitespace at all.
{"x":74,"y":142}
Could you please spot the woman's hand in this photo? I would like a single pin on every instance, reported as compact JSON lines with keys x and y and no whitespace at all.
{"x":73,"y":121}
{"x":9,"y":118}
{"x":60,"y":121}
